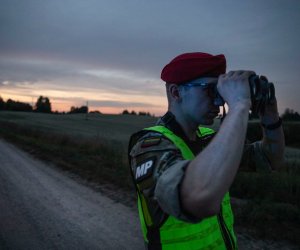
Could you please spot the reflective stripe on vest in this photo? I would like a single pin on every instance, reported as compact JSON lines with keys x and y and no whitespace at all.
{"x":215,"y":232}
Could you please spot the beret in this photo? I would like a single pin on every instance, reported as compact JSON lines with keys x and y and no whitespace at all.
{"x":189,"y":66}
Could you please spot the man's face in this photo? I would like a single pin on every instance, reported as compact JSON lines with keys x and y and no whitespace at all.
{"x":198,"y":100}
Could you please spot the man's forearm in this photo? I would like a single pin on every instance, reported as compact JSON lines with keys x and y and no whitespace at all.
{"x":273,"y":144}
{"x":209,"y":176}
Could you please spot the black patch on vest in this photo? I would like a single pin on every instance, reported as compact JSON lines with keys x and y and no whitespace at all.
{"x":144,"y":169}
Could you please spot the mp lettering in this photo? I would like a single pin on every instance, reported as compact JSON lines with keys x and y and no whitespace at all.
{"x":143,"y":169}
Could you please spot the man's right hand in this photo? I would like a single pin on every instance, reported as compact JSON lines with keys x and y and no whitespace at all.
{"x":234,"y":87}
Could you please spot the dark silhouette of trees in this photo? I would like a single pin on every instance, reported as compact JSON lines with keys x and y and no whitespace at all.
{"x":2,"y":104}
{"x":17,"y":106}
{"x":76,"y":110}
{"x":125,"y":112}
{"x":95,"y":112}
{"x":12,"y":105}
{"x":140,"y":113}
{"x":43,"y":105}
{"x":290,"y":115}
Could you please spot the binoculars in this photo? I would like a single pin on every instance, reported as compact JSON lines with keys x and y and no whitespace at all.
{"x":262,"y":92}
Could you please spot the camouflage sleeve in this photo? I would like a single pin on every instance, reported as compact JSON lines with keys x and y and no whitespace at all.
{"x":158,"y":169}
{"x":254,"y":158}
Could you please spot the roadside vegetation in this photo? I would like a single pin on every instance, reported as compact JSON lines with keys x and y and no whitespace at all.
{"x":94,"y":146}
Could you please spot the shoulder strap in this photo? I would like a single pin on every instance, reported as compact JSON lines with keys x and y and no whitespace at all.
{"x":185,"y":150}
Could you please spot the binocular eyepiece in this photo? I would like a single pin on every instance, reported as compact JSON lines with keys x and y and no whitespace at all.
{"x":262,"y":92}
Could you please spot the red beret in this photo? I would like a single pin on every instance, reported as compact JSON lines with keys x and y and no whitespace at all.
{"x":189,"y":66}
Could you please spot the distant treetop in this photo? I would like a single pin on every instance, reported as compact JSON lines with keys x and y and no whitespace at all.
{"x":43,"y":105}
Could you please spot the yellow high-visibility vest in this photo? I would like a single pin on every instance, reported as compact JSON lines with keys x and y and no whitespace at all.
{"x":215,"y":232}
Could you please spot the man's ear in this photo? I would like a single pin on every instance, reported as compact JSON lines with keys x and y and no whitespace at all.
{"x":174,"y":92}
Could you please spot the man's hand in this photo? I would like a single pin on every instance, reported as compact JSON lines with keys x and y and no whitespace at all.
{"x":270,"y":114}
{"x":234,"y":87}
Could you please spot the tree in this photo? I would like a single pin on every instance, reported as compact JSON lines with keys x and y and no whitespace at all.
{"x":142,"y":113}
{"x":290,"y":115}
{"x":2,"y":104}
{"x":43,"y":105}
{"x":95,"y":112}
{"x":82,"y":110}
{"x":125,"y":112}
{"x":17,"y":106}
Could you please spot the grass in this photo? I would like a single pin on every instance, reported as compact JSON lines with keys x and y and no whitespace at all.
{"x":272,"y":204}
{"x":95,"y":126}
{"x":272,"y":207}
{"x":95,"y":147}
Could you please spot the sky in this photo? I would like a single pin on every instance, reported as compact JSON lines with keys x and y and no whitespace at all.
{"x":108,"y":54}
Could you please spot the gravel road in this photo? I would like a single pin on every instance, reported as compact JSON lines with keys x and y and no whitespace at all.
{"x":42,"y":208}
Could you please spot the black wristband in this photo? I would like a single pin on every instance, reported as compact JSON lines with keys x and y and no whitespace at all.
{"x":272,"y":126}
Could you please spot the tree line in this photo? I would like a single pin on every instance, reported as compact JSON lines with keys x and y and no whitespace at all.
{"x":290,"y":115}
{"x":140,"y":113}
{"x":43,"y":105}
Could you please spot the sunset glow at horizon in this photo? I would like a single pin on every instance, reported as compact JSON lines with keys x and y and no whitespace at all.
{"x":65,"y":92}
{"x":58,"y":105}
{"x":111,"y":57}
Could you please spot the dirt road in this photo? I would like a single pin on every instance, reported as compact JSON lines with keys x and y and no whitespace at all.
{"x":42,"y":208}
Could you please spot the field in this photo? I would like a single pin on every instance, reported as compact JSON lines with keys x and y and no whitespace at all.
{"x":94,"y":146}
{"x":91,"y":126}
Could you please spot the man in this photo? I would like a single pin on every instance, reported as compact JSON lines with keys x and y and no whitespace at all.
{"x":182,"y":172}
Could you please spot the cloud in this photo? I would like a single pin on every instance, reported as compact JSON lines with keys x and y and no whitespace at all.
{"x":120,"y":48}
{"x":144,"y":36}
{"x":61,"y":76}
{"x":29,"y":70}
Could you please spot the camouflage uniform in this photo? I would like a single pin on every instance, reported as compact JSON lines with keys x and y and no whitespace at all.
{"x":163,"y":168}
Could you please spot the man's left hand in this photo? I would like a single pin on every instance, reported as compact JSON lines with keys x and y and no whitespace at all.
{"x":270,"y":114}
